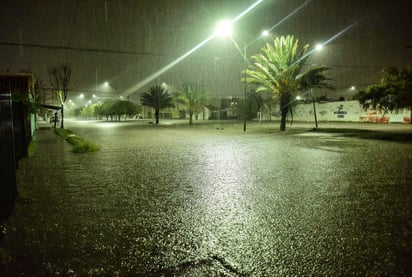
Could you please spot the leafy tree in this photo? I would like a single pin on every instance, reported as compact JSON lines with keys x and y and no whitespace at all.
{"x":377,"y":97}
{"x":89,"y":111}
{"x":59,"y":77}
{"x":116,"y":109}
{"x":157,"y":98}
{"x":106,"y":109}
{"x":193,"y":97}
{"x":279,"y":69}
{"x":394,"y":90}
{"x":126,"y":108}
{"x":252,"y":105}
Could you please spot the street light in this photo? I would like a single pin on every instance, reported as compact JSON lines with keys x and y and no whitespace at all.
{"x":109,"y":87}
{"x":224,"y":29}
{"x":318,"y":48}
{"x":245,"y":94}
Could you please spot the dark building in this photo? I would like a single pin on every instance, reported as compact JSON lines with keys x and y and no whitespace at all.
{"x":16,"y":130}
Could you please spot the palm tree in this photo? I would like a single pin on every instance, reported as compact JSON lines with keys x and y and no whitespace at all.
{"x":193,"y":97}
{"x":157,"y":98}
{"x":279,"y":69}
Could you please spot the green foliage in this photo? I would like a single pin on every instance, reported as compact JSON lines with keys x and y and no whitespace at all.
{"x":377,"y":97}
{"x":5,"y":257}
{"x":88,"y":111}
{"x":392,"y":92}
{"x":157,"y":98}
{"x":32,"y":105}
{"x":80,"y":145}
{"x":116,"y":109}
{"x":193,"y":97}
{"x":32,"y":147}
{"x":279,"y":69}
{"x":252,"y":105}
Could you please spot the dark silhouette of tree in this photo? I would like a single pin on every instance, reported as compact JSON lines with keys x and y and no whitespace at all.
{"x":59,"y":77}
{"x":193,"y":97}
{"x":117,"y":109}
{"x":392,"y":92}
{"x":251,"y":105}
{"x":157,"y":98}
{"x":279,"y":69}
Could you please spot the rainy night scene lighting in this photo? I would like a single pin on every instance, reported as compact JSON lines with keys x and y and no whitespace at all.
{"x":188,"y":53}
{"x":117,"y":193}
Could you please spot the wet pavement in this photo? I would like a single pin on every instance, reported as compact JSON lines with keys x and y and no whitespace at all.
{"x":212,"y":201}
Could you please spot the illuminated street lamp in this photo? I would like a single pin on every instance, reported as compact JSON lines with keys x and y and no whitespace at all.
{"x":224,"y":29}
{"x":318,"y":47}
{"x":110,"y":88}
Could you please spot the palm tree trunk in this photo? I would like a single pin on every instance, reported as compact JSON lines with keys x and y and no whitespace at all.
{"x":157,"y":115}
{"x":284,"y":108}
{"x":190,"y":118}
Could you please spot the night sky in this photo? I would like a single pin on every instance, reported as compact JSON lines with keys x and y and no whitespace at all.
{"x":125,"y":42}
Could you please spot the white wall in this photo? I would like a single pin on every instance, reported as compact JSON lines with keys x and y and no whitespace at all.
{"x":347,"y":111}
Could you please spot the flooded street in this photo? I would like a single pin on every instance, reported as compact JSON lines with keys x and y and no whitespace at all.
{"x":174,"y":200}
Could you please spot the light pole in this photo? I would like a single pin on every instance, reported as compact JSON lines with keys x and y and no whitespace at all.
{"x":318,"y":48}
{"x":224,"y":28}
{"x":245,"y":95}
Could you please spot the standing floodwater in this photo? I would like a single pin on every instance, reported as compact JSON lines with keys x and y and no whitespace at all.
{"x":207,"y":201}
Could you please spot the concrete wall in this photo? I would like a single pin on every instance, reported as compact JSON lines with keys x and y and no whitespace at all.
{"x":348,"y":111}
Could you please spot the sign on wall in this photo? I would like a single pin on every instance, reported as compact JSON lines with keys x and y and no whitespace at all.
{"x":349,"y":111}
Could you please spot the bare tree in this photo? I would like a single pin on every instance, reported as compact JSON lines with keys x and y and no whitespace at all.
{"x":60,"y":81}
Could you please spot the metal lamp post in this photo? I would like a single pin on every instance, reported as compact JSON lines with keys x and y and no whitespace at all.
{"x":245,"y":96}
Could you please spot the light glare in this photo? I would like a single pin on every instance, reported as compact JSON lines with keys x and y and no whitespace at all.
{"x":224,"y":28}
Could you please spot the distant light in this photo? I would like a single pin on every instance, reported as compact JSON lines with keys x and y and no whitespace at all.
{"x":81,"y":95}
{"x":94,"y":95}
{"x":90,"y":101}
{"x":265,"y":33}
{"x":298,"y":97}
{"x":319,"y":47}
{"x":352,"y":88}
{"x":106,"y":83}
{"x":163,"y":84}
{"x":224,"y":28}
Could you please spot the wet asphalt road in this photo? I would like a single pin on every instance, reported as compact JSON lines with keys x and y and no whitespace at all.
{"x":173,"y":200}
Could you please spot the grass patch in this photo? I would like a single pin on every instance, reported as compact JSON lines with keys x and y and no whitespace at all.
{"x":32,"y":147}
{"x":80,"y":145}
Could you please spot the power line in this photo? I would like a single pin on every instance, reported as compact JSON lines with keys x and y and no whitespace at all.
{"x":44,"y":46}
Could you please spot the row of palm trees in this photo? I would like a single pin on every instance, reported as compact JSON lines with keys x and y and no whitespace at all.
{"x":191,"y":95}
{"x":279,"y":69}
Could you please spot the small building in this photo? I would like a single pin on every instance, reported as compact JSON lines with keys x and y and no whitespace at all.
{"x":17,"y":126}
